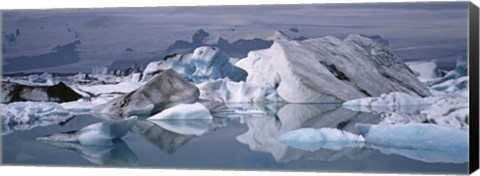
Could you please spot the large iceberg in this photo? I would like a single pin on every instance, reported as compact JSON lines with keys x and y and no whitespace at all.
{"x":328,"y":69}
{"x":163,"y":91}
{"x":102,"y":133}
{"x":205,"y":63}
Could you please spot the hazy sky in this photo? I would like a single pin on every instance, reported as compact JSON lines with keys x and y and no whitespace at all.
{"x":415,"y":30}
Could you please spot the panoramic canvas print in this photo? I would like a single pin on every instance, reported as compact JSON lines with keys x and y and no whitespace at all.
{"x":375,"y":87}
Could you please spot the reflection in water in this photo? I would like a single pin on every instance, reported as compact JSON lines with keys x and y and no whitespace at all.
{"x":118,"y":154}
{"x":39,"y":122}
{"x":427,"y":155}
{"x":164,"y":139}
{"x":263,"y":131}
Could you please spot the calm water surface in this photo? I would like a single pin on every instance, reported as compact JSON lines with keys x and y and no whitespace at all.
{"x":233,"y":141}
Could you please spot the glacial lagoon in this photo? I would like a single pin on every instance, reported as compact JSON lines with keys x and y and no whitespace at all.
{"x":242,"y":139}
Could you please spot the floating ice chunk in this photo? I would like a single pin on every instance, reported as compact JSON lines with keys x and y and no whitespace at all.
{"x":102,"y":133}
{"x":227,"y":91}
{"x":417,"y":136}
{"x":187,"y":127}
{"x":118,"y":154}
{"x":448,"y":110}
{"x":311,"y":139}
{"x":391,"y":102}
{"x":184,"y":111}
{"x":84,"y":105}
{"x":164,"y":90}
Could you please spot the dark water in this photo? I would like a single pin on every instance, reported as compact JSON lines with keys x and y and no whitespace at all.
{"x":233,"y":143}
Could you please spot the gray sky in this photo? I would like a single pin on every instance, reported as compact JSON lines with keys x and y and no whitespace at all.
{"x":416,"y":31}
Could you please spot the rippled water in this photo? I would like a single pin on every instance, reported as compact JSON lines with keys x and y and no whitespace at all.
{"x":234,"y":140}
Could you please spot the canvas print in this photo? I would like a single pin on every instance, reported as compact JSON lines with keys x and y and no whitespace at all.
{"x":367,"y":87}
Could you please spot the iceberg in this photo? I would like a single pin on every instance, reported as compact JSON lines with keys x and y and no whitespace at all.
{"x":118,"y":154}
{"x":311,"y":139}
{"x":193,"y":111}
{"x":414,"y":136}
{"x":102,"y":133}
{"x":391,"y":102}
{"x":163,"y":91}
{"x":328,"y":69}
{"x":226,"y":91}
{"x":204,"y":64}
{"x":21,"y":116}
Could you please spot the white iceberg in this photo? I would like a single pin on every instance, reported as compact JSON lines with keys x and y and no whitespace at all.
{"x":102,"y":133}
{"x":184,"y":111}
{"x":311,"y":139}
{"x":416,"y":136}
{"x":328,"y":69}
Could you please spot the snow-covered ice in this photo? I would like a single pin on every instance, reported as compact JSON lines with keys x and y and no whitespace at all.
{"x":120,"y":88}
{"x":102,"y":133}
{"x":311,"y":139}
{"x":328,"y":69}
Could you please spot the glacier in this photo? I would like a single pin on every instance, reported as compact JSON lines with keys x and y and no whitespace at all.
{"x":328,"y":69}
{"x":101,"y":133}
{"x":425,"y":70}
{"x":204,"y":64}
{"x":164,"y":90}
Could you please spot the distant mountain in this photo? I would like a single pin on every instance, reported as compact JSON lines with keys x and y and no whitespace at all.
{"x":60,"y":55}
